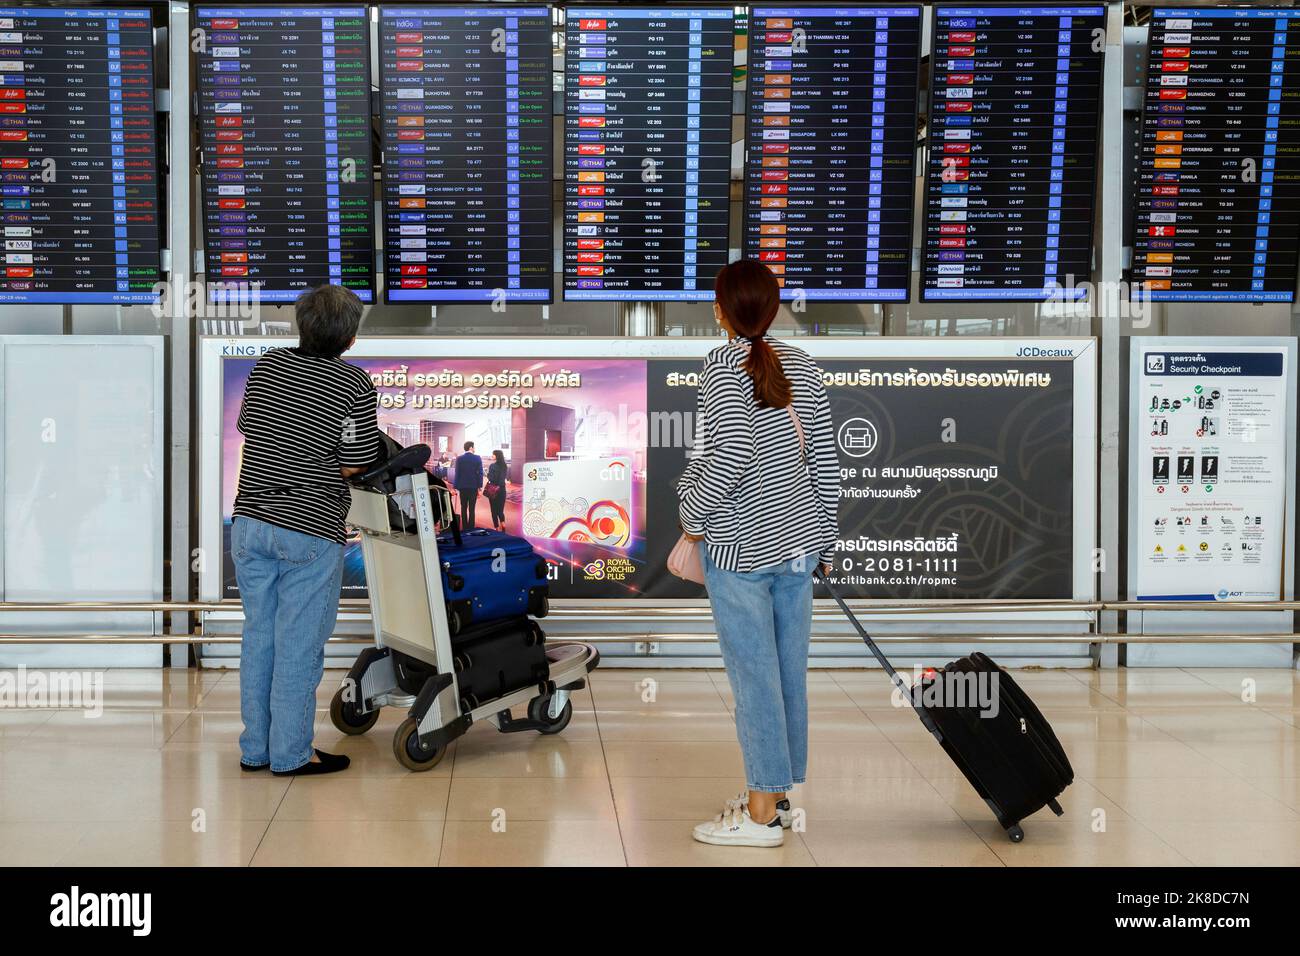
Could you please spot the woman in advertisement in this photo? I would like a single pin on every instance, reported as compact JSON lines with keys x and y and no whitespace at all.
{"x":760,"y":496}
{"x":495,"y":489}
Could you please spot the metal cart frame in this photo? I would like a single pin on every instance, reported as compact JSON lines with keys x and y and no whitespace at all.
{"x":409,"y":612}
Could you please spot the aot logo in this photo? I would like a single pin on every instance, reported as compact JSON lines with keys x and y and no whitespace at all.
{"x":1223,"y":594}
{"x":857,"y":438}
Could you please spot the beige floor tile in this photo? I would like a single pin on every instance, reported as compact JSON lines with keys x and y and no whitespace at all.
{"x":843,"y":725}
{"x":1243,"y":842}
{"x":1286,"y":789}
{"x":1081,"y":803}
{"x":531,"y":843}
{"x":663,"y":724}
{"x":632,"y":675}
{"x":342,"y":796}
{"x":887,"y":843}
{"x":669,"y":843}
{"x":166,"y":843}
{"x":1049,"y":842}
{"x":1075,"y":724}
{"x":37,"y":844}
{"x":710,"y":758}
{"x":652,"y":694}
{"x":17,"y":724}
{"x":1239,"y":723}
{"x":520,"y":755}
{"x":255,"y":797}
{"x":351,"y":843}
{"x":123,"y":728}
{"x":681,"y":799}
{"x":1140,"y":759}
{"x":906,"y":799}
{"x":834,"y":758}
{"x":1269,"y":758}
{"x":1191,"y":799}
{"x":530,"y":798}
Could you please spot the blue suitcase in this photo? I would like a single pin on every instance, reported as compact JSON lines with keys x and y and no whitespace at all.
{"x":490,"y":575}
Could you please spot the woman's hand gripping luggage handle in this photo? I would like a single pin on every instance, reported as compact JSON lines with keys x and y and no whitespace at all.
{"x":894,"y":676}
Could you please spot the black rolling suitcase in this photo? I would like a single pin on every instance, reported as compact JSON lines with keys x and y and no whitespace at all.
{"x":1009,"y":753}
{"x":495,"y":659}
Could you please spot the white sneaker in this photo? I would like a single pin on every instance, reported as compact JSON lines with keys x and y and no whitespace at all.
{"x":783,"y":811}
{"x":735,"y":827}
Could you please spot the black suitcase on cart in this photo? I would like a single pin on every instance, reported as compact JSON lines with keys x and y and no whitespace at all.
{"x":1011,"y":757}
{"x":491,"y":660}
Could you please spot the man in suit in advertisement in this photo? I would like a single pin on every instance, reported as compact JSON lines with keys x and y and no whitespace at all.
{"x":467,"y":480}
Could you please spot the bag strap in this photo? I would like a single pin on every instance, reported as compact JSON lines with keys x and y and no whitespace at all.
{"x":798,"y":430}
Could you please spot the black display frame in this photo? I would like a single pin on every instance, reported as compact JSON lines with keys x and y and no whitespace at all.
{"x":211,"y":286}
{"x":1096,"y":182}
{"x":921,"y":9}
{"x":383,"y":145}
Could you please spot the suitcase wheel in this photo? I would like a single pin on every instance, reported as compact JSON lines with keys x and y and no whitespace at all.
{"x":453,"y":621}
{"x":1015,"y":833}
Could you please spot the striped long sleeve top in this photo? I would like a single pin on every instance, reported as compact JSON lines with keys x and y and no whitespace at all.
{"x":747,"y":489}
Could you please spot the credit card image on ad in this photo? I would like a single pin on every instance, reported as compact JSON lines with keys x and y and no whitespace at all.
{"x":582,"y":501}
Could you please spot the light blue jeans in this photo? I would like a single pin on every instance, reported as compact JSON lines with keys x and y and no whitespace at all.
{"x":764,"y":620}
{"x":289,"y":583}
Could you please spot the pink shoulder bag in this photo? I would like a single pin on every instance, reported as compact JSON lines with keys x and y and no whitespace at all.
{"x":684,"y":559}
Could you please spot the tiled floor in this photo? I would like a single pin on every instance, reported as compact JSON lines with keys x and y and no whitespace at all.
{"x":1173,"y":768}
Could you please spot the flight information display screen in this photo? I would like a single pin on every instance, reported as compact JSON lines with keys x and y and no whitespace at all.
{"x":284,"y":125}
{"x":1218,"y":185}
{"x":830,"y":146}
{"x":467,"y":153}
{"x":1015,"y":104}
{"x":647,"y":151}
{"x":78,"y":156}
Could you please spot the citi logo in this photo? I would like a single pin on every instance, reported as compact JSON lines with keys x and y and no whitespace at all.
{"x":75,"y":909}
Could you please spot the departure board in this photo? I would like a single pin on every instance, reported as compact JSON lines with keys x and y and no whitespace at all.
{"x":1015,"y":105}
{"x":1218,"y":184}
{"x":78,"y":156}
{"x":284,"y":125}
{"x":467,"y":153}
{"x":647,"y":151}
{"x":830,"y":147}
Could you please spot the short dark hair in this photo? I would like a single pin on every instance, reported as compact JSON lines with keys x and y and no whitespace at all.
{"x":328,"y":319}
{"x":469,"y":445}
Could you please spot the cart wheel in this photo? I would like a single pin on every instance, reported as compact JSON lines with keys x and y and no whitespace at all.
{"x":344,"y":716}
{"x":1015,"y":833}
{"x":538,"y":710}
{"x":408,"y":751}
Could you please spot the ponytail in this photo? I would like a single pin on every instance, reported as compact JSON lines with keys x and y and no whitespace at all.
{"x":771,"y":386}
{"x":749,"y":296}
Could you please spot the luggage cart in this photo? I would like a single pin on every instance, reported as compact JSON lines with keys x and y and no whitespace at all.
{"x":412,"y":664}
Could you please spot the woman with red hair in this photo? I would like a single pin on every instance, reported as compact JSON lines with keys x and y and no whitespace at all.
{"x":760,"y":495}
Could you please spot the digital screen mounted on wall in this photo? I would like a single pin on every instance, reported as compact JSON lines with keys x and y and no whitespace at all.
{"x":647,"y":151}
{"x":830,"y":146}
{"x":1015,"y":100}
{"x":284,"y":126}
{"x":467,"y":153}
{"x":78,"y":156}
{"x":1218,"y":187}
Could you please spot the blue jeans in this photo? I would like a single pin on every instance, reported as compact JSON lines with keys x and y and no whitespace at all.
{"x":764,"y":621}
{"x":289,"y":583}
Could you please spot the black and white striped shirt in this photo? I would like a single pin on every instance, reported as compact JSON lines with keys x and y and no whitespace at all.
{"x":747,"y":489}
{"x":303,"y":418}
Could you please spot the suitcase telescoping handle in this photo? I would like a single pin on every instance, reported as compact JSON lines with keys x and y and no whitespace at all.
{"x":894,"y":676}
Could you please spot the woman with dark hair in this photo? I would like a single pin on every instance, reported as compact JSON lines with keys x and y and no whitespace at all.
{"x":496,"y":489}
{"x":760,"y":496}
